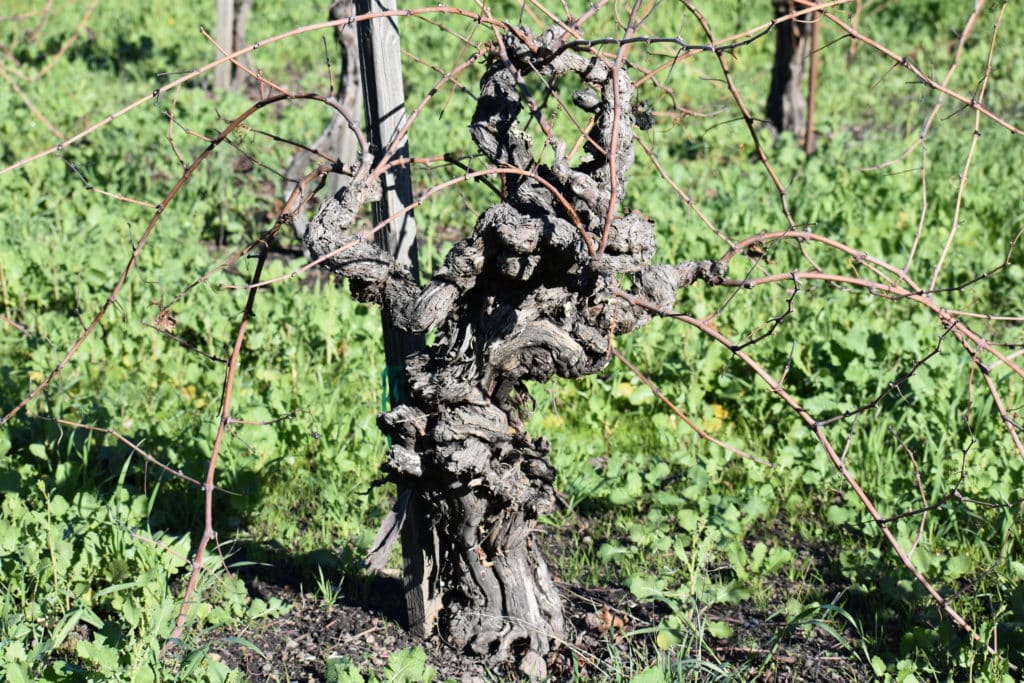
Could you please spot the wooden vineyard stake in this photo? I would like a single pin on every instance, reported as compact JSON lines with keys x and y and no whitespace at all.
{"x":380,"y":57}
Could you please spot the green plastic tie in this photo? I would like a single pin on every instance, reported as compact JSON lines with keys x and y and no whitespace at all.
{"x":391,"y":386}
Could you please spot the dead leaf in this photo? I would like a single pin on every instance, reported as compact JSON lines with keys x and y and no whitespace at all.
{"x":605,"y":620}
{"x":165,"y":322}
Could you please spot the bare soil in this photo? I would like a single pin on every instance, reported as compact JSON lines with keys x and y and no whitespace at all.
{"x":610,"y":636}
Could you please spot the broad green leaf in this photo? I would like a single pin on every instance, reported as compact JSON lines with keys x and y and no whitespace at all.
{"x":651,"y":674}
{"x":957,"y":566}
{"x":645,"y":587}
{"x":343,"y":670}
{"x":98,"y":653}
{"x":757,"y":556}
{"x":719,"y":629}
{"x":839,"y":515}
{"x":408,"y":666}
{"x":667,"y":639}
{"x":688,"y":519}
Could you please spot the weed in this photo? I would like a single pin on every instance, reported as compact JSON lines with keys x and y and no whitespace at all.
{"x":328,"y":592}
{"x":95,"y":539}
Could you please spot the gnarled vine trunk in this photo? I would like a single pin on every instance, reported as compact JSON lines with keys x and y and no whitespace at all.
{"x":532,"y":293}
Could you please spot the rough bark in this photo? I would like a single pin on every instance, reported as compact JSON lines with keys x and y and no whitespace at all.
{"x":787,"y":105}
{"x":338,"y":141}
{"x":232,"y":22}
{"x":380,"y":63}
{"x":527,"y":296}
{"x":243,"y":8}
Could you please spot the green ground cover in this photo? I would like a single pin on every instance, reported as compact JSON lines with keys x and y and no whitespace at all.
{"x":95,"y":541}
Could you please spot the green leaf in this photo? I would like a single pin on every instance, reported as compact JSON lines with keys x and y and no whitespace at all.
{"x":730,"y":592}
{"x":408,"y":666}
{"x":719,"y":629}
{"x":738,"y":560}
{"x":343,"y":670}
{"x":192,"y":662}
{"x":217,"y":671}
{"x":246,"y":644}
{"x":688,"y":519}
{"x":755,"y":508}
{"x":98,"y":653}
{"x":838,"y":515}
{"x":15,"y":652}
{"x":857,"y":374}
{"x":631,"y":490}
{"x":642,"y":395}
{"x":757,"y":556}
{"x":957,"y":566}
{"x":609,"y":551}
{"x":71,"y":620}
{"x":777,"y":557}
{"x":17,"y":673}
{"x":646,"y":587}
{"x":668,"y":639}
{"x":651,"y":674}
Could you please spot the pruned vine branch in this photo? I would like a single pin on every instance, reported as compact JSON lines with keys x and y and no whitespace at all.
{"x":564,"y":262}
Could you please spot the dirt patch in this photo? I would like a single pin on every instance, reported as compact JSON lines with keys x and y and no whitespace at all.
{"x":367,"y":628}
{"x":610,"y":635}
{"x":296,"y":647}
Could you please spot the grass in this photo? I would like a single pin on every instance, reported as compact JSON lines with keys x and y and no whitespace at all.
{"x":94,"y":541}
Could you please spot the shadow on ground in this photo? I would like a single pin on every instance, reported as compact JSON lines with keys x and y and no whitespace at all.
{"x":365,"y":624}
